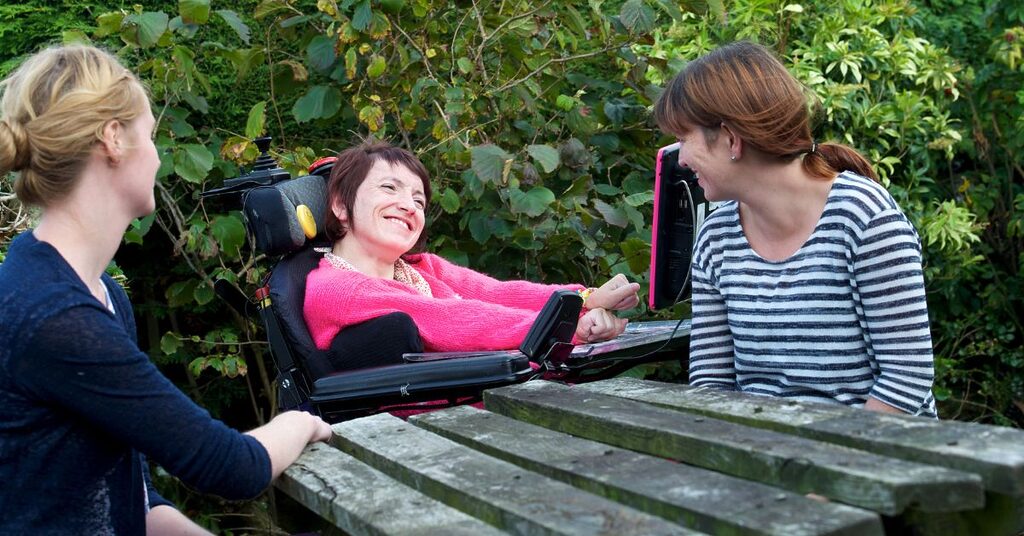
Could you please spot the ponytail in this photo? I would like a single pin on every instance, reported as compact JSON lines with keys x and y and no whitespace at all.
{"x":826,"y":159}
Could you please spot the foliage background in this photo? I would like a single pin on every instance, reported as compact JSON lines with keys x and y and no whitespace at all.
{"x":533,"y":119}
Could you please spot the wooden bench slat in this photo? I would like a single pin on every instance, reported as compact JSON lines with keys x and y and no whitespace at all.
{"x":994,"y":452}
{"x":361,"y":500}
{"x":885,"y":485}
{"x":701,"y":499}
{"x":486,"y":488}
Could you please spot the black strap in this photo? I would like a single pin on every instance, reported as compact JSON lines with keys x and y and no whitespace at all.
{"x":292,"y":388}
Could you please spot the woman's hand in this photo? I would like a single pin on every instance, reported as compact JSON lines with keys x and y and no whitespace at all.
{"x":618,"y":294}
{"x":599,"y":325}
{"x":286,"y":435}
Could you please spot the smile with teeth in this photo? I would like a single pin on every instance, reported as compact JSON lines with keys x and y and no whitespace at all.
{"x":399,"y":222}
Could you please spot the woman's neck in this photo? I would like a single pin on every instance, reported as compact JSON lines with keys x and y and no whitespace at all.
{"x":781,"y":209}
{"x":86,"y":238}
{"x":366,"y":263}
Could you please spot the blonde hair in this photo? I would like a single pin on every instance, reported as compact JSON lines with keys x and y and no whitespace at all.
{"x":53,"y":108}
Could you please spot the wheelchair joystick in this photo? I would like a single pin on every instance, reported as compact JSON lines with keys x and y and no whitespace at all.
{"x":265,"y":171}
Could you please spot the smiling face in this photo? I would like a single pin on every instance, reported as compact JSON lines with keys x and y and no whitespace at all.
{"x":387,"y":217}
{"x":708,"y":157}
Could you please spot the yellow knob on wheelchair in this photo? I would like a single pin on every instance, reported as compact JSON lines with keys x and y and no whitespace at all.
{"x":306,"y":221}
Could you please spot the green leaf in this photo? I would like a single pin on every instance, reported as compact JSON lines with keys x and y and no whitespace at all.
{"x":480,"y":226}
{"x":149,"y":26}
{"x":138,"y":229}
{"x":236,"y":24}
{"x":465,"y":65}
{"x":565,"y":102}
{"x":532,"y":203}
{"x":637,"y":16}
{"x":109,"y":23}
{"x":203,"y":294}
{"x":321,"y":102}
{"x":194,"y":11}
{"x":606,"y":189}
{"x":244,"y":59}
{"x":74,"y":37}
{"x":670,"y":7}
{"x":320,"y":53}
{"x":351,"y":62}
{"x":489,"y":162}
{"x":229,"y":232}
{"x":269,"y":7}
{"x":611,"y":214}
{"x":639,"y":199}
{"x":637,"y":254}
{"x":636,"y":218}
{"x":545,"y":155}
{"x":376,"y":67}
{"x":170,"y":343}
{"x":197,"y":366}
{"x":363,"y":16}
{"x":256,"y":123}
{"x":180,"y":293}
{"x":192,"y":162}
{"x":450,"y":201}
{"x":372,"y":116}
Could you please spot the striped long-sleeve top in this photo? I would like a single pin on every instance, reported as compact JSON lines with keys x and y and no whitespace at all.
{"x":842,"y":319}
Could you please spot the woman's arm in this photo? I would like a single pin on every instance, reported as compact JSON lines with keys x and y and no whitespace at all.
{"x":82,"y":360}
{"x":470,"y":284}
{"x":164,"y":520}
{"x":336,"y":300}
{"x":889,"y":278}
{"x":712,"y":358}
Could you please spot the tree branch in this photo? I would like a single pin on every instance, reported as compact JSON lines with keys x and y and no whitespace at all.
{"x":509,"y":85}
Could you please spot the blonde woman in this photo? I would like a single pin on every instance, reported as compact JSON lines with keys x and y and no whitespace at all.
{"x":80,"y":404}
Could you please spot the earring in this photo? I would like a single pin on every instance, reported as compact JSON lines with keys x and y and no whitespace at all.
{"x":732,"y":157}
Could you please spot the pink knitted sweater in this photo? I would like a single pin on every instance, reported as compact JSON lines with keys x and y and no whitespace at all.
{"x":468,"y":310}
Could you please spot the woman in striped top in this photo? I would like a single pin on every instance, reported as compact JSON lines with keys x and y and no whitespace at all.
{"x":807,"y":281}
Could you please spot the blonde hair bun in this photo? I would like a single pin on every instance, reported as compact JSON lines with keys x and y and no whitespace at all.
{"x":53,"y":109}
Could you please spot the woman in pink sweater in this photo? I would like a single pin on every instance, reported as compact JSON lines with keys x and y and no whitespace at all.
{"x":378,"y":197}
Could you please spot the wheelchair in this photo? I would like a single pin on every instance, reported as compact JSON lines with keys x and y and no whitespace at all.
{"x":284,"y":217}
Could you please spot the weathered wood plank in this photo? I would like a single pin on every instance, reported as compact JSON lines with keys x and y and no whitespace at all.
{"x":994,"y":452}
{"x":361,"y":500}
{"x":704,"y":500}
{"x":495,"y":491}
{"x":885,"y":485}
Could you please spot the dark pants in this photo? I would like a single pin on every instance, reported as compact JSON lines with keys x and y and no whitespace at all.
{"x":374,"y":343}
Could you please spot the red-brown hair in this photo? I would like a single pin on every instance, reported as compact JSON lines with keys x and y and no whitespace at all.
{"x":349,"y":172}
{"x":746,"y":87}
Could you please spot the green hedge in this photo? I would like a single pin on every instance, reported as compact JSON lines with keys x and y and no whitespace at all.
{"x":533,"y":119}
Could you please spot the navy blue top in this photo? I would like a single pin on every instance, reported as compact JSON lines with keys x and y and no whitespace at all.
{"x":80,"y":405}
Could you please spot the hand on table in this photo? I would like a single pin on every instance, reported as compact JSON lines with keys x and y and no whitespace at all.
{"x":599,"y":325}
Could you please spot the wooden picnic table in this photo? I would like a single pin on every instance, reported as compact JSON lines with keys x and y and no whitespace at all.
{"x":626,"y":456}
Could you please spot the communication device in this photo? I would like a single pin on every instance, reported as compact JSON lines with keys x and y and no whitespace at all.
{"x":550,"y":337}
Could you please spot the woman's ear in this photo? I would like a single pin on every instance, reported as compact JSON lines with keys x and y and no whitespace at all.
{"x":112,"y":142}
{"x":734,"y":143}
{"x":340,"y":212}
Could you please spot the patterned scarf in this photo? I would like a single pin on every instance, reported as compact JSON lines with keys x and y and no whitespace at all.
{"x":404,"y":273}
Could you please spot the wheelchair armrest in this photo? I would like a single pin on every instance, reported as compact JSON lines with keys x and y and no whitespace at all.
{"x":417,"y":379}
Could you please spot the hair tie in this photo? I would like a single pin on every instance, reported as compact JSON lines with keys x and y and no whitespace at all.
{"x":814,"y":146}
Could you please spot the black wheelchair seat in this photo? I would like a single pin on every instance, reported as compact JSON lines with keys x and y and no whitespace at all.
{"x":364,"y":370}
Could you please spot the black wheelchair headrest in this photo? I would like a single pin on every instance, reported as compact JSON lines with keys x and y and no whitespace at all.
{"x":283,"y":216}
